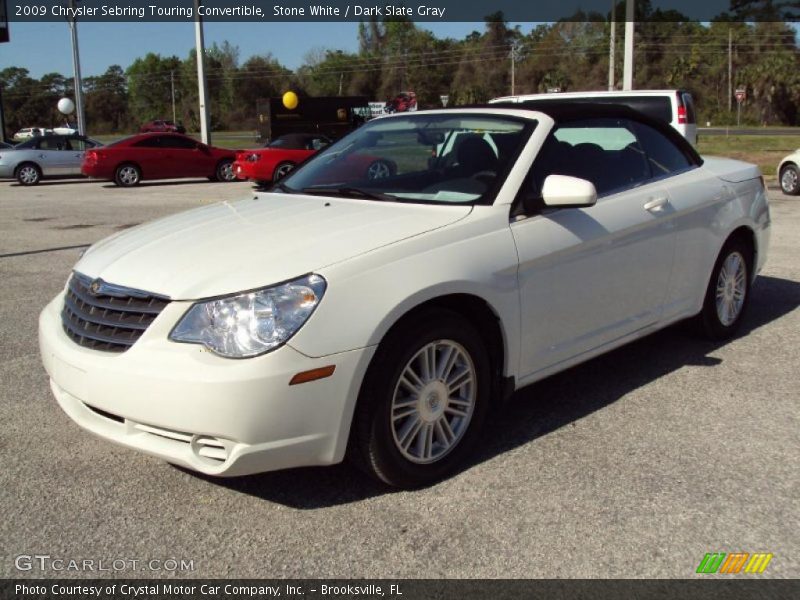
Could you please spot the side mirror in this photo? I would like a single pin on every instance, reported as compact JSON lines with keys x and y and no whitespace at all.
{"x":202,"y":147}
{"x":562,"y":191}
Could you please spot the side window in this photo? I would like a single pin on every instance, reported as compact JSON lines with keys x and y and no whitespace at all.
{"x":79,"y":144}
{"x":664,"y":156}
{"x":153,"y":141}
{"x":603,"y":151}
{"x":53,"y":143}
{"x":178,"y":143}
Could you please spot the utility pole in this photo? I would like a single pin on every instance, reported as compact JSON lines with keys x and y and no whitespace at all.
{"x":172,"y":84}
{"x":612,"y":47}
{"x":76,"y":67}
{"x":202,"y":96}
{"x":730,"y":69}
{"x":2,"y":118}
{"x":341,"y":81}
{"x":515,"y":56}
{"x":627,"y":79}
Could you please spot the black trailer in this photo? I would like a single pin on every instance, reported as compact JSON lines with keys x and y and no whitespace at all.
{"x":333,"y":116}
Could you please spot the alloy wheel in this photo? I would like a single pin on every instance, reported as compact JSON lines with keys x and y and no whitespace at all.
{"x":28,"y":175}
{"x":433,"y":402}
{"x":789,"y":181}
{"x":226,"y":172}
{"x":128,"y":175}
{"x":731,"y":288}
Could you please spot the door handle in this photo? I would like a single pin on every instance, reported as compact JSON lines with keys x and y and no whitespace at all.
{"x":656,"y":204}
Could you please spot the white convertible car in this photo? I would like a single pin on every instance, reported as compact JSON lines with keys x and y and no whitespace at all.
{"x":380,"y":319}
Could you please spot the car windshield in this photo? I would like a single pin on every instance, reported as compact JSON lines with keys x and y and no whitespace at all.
{"x":444,"y":158}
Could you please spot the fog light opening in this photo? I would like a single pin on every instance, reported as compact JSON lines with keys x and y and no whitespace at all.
{"x":210,"y":450}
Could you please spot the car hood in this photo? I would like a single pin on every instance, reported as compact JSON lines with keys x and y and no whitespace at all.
{"x":229,"y":247}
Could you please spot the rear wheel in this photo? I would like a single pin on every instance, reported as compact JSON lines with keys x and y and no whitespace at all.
{"x":281,"y":171}
{"x":127,"y":175}
{"x":790,"y":180}
{"x":424,"y":401}
{"x":728,"y":291}
{"x":225,"y":171}
{"x":29,"y":174}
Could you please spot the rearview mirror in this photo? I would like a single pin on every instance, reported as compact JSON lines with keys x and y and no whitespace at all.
{"x":562,"y":191}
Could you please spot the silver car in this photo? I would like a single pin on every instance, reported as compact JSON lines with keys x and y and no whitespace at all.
{"x":45,"y":156}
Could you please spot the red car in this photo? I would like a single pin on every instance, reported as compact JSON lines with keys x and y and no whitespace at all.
{"x":162,"y":126}
{"x":158,"y":156}
{"x":269,"y":164}
{"x":277,"y":158}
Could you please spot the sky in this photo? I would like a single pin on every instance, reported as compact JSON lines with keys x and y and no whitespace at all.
{"x":45,"y":47}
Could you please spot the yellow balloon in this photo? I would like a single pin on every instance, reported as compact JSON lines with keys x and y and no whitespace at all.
{"x":290,"y":100}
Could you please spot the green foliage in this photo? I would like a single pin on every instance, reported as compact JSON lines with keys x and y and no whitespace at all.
{"x":397,"y":55}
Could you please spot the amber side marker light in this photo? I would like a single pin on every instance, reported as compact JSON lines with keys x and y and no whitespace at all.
{"x":313,"y":375}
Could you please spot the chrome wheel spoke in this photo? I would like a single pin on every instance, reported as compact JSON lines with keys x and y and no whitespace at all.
{"x":447,"y":434}
{"x":409,"y":432}
{"x":448,"y":359}
{"x":459,"y":381}
{"x":411,"y":381}
{"x":457,"y":412}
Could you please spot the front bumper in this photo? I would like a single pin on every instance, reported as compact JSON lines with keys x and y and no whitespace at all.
{"x":185,"y":405}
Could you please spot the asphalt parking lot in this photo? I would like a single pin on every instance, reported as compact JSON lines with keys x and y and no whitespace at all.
{"x":633,"y":465}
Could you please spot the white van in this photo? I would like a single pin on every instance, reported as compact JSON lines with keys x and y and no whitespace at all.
{"x":676,"y":107}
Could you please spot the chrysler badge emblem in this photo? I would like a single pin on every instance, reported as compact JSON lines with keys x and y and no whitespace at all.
{"x":94,"y":288}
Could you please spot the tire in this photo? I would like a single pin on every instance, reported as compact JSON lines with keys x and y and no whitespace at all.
{"x":409,"y":439}
{"x":281,"y":171}
{"x":225,"y":172}
{"x":728,"y":292}
{"x":29,"y":174}
{"x":380,"y":169}
{"x":127,"y":175}
{"x":790,"y":180}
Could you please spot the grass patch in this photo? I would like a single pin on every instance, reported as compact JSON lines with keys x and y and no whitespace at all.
{"x":765,"y":151}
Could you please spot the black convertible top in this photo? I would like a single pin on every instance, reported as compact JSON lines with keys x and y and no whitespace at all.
{"x":565,"y":112}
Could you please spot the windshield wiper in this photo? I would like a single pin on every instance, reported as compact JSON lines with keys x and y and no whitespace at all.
{"x":349,"y":192}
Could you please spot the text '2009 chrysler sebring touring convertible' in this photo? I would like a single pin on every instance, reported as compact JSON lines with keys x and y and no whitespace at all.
{"x":380,"y":319}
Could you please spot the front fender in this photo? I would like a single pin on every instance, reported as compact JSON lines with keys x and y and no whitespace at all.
{"x":368,"y":294}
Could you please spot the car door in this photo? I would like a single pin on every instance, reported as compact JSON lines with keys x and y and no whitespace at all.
{"x":53,"y":156}
{"x":76,"y":150}
{"x":150,"y":154}
{"x":189,"y":158}
{"x":590,"y":276}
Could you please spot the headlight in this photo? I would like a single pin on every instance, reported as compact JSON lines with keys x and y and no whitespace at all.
{"x":252,"y":323}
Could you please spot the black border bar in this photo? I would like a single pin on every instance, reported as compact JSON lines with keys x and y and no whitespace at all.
{"x":415,"y":10}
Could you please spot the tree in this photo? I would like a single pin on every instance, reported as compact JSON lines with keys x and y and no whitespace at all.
{"x":149,"y":86}
{"x":107,"y":101}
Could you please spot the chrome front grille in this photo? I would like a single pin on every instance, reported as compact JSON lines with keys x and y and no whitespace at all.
{"x":107,"y":317}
